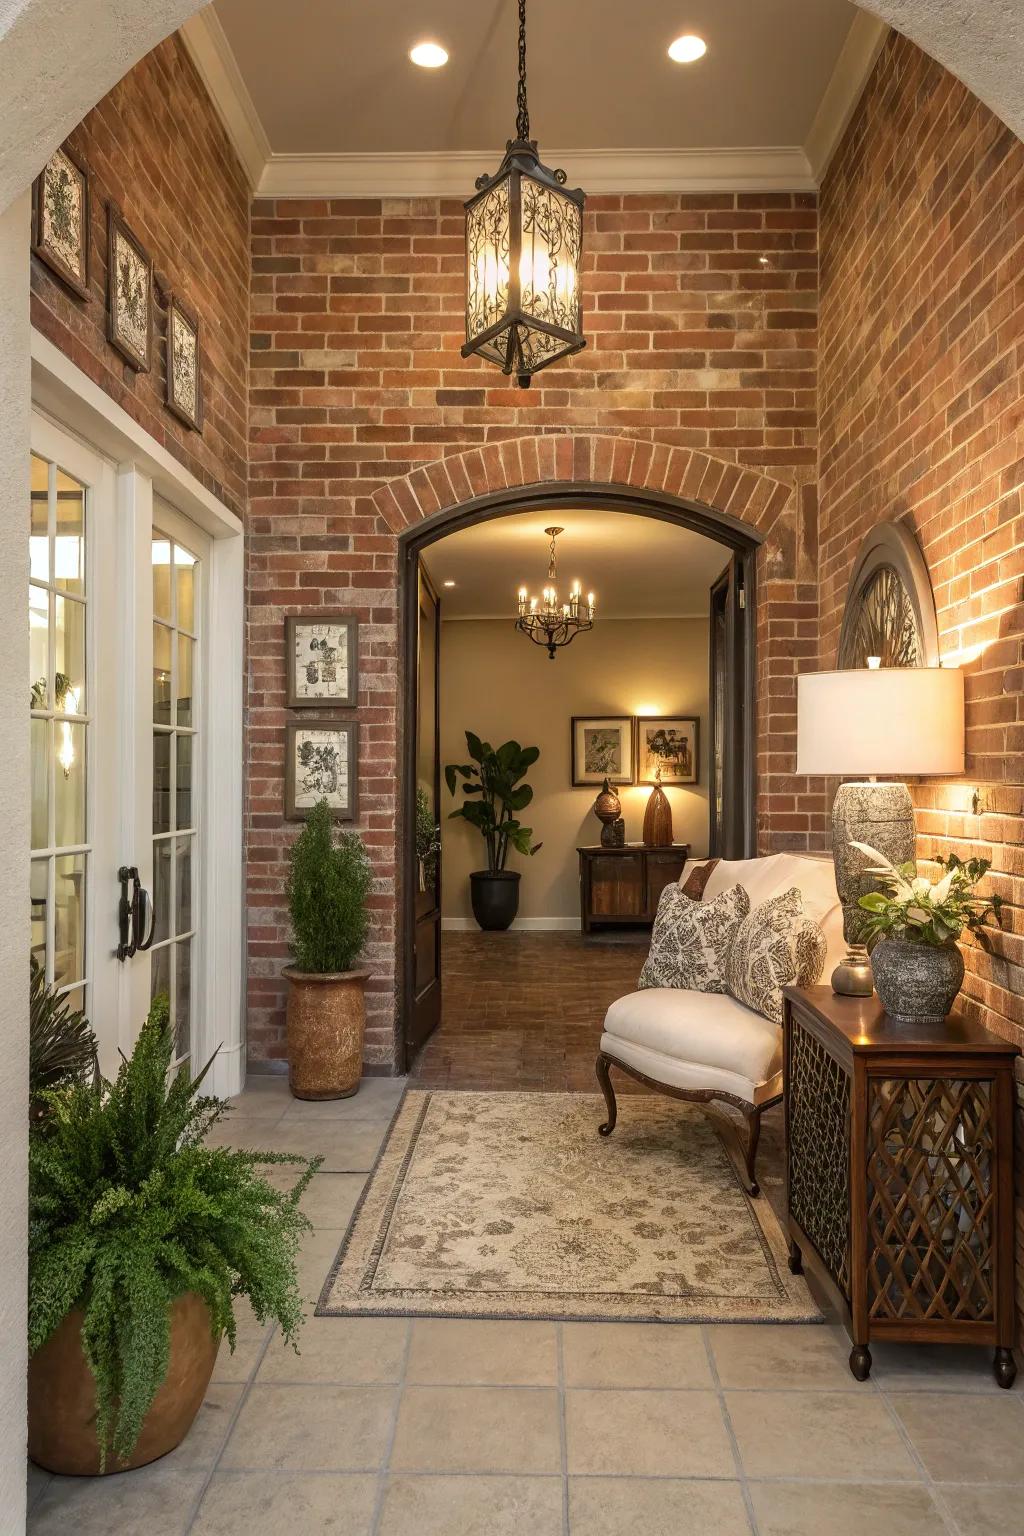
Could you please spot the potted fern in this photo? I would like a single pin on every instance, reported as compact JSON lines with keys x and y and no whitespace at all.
{"x":495,"y":794}
{"x":327,"y":893}
{"x":140,"y":1238}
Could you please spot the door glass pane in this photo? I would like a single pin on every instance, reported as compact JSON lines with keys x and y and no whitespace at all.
{"x":39,"y":881}
{"x":184,"y":568}
{"x":183,"y":904}
{"x":162,"y":674}
{"x":69,"y":918}
{"x":69,"y":784}
{"x":40,"y":784}
{"x":161,"y":781}
{"x":160,"y":974}
{"x":69,"y":544}
{"x":38,"y":647}
{"x":184,"y":812}
{"x":161,"y":577}
{"x":185,"y":648}
{"x":161,"y":889}
{"x":183,"y":995}
{"x":69,"y":657}
{"x":39,"y":520}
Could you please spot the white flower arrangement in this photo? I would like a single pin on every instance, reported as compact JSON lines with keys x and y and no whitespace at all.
{"x":924,"y":911}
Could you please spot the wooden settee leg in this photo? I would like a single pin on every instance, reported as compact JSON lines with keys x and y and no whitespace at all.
{"x":603,"y":1063}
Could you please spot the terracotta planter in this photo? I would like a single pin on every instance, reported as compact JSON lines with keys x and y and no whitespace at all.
{"x":326,"y":1023}
{"x":62,"y":1395}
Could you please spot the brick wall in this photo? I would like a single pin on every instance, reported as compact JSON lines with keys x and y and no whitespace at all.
{"x":156,"y":147}
{"x":701,"y":316}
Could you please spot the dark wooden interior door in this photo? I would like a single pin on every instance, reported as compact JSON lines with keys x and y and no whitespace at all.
{"x":726,"y":781}
{"x":424,"y":1013}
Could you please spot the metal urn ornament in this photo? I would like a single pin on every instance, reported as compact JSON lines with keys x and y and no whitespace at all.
{"x":608,"y":810}
{"x":658,"y":817}
{"x":524,"y":241}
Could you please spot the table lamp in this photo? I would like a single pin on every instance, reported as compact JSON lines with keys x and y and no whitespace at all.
{"x":881,"y":724}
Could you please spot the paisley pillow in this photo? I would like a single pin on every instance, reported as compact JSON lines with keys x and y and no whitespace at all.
{"x":774,"y":945}
{"x":691,"y":939}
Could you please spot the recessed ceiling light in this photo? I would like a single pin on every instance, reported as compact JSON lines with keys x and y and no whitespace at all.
{"x":429,"y":55}
{"x":448,"y":583}
{"x":687,"y":49}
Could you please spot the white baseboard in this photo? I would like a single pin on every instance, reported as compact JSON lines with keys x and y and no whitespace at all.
{"x":521,"y":925}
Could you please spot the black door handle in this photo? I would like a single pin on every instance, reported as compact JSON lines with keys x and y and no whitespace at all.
{"x":134,"y":906}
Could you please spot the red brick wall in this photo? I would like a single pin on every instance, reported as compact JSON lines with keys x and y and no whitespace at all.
{"x":156,"y":147}
{"x":701,"y":315}
{"x":921,"y":412}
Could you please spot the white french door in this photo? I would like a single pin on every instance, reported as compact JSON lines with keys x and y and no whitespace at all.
{"x":117,"y":617}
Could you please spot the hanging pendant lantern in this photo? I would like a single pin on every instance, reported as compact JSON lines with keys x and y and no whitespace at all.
{"x":524,"y":242}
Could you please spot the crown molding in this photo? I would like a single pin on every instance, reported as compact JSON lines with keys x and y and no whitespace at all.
{"x":211,"y":53}
{"x":452,"y":173}
{"x":856,"y":60}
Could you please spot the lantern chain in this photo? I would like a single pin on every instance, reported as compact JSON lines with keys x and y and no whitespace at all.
{"x":523,"y":113}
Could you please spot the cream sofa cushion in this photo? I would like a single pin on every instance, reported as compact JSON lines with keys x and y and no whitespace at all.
{"x":697,"y":1031}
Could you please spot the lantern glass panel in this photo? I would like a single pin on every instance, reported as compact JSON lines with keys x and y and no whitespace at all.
{"x":552,"y":233}
{"x":488,"y":237}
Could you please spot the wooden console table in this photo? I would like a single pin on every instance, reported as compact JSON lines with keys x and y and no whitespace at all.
{"x":900,"y":1173}
{"x":621,"y":886}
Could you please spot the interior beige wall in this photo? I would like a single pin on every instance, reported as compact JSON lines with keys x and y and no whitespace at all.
{"x":495,"y":683}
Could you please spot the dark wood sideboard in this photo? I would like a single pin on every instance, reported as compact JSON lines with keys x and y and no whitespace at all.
{"x":900,"y":1173}
{"x":621,"y":886}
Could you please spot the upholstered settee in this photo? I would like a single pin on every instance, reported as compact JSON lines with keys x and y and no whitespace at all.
{"x":707,"y":1045}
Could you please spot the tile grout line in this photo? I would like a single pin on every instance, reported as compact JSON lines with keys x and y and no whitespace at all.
{"x":563,"y":1432}
{"x":384,"y":1471}
{"x":937,"y":1498}
{"x":741,"y":1471}
{"x":243,"y":1398}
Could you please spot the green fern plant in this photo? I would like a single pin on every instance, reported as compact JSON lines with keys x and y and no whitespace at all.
{"x":327,"y":891}
{"x":61,"y":1045}
{"x":128,"y":1210}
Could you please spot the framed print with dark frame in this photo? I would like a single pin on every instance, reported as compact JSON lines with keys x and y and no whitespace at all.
{"x":668,"y":749}
{"x":129,"y":294}
{"x":321,"y":763}
{"x":184,"y":390}
{"x":322,"y":659}
{"x":602,"y":748}
{"x":60,"y":219}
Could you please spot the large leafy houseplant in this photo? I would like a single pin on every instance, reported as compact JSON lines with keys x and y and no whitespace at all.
{"x":495,"y":794}
{"x":327,"y":890}
{"x":918,"y":910}
{"x":129,"y":1210}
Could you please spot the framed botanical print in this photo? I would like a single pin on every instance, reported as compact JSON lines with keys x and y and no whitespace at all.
{"x":129,"y":294}
{"x":668,"y":749}
{"x":321,"y":763}
{"x":60,"y":219}
{"x":322,"y":656}
{"x":184,"y":372}
{"x":602,"y":748}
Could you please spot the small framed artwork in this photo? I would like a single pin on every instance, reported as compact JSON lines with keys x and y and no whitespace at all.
{"x":184,"y":370}
{"x":60,"y":219}
{"x":321,"y":764}
{"x":129,"y":294}
{"x":668,"y":749}
{"x":602,"y":748}
{"x":322,"y":656}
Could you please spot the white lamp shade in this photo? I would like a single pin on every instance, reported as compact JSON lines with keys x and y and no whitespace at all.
{"x":891,"y":722}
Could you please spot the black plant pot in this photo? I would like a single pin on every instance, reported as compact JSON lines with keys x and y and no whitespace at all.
{"x":495,"y":898}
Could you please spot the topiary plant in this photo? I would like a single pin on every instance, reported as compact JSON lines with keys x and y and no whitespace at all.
{"x":327,"y":891}
{"x":128,"y":1210}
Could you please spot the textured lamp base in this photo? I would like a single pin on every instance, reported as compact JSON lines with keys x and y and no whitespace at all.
{"x":880,"y":815}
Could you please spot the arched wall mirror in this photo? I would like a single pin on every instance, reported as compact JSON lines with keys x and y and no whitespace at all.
{"x":890,"y":607}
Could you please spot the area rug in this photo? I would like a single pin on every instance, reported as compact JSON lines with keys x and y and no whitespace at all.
{"x":511,"y":1205}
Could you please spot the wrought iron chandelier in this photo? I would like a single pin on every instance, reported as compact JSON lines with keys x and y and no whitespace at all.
{"x":544,"y":620}
{"x":524,"y":241}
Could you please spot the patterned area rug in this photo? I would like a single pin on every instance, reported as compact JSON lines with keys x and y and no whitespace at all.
{"x":511,"y":1205}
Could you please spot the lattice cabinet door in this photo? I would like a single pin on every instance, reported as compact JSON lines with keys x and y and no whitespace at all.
{"x":900,"y":1173}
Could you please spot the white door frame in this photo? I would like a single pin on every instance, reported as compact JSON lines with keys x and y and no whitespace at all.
{"x":74,"y":403}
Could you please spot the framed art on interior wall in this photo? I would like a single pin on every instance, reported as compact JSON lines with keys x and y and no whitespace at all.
{"x":184,"y":364}
{"x":668,"y":749}
{"x":60,"y":219}
{"x":129,"y":294}
{"x":322,"y":657}
{"x":602,"y":748}
{"x":321,"y":762}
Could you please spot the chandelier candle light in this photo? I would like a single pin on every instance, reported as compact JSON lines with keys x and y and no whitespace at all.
{"x":524,"y":240}
{"x":544,"y":620}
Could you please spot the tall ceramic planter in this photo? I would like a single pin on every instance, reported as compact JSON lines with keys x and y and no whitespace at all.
{"x":917,"y":983}
{"x":326,"y":1024}
{"x":62,"y":1395}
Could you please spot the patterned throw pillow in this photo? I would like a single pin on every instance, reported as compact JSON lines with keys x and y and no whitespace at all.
{"x":775,"y":945}
{"x":691,"y":940}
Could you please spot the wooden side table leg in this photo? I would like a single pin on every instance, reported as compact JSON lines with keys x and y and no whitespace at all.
{"x":860,"y":1361}
{"x":796,"y":1258}
{"x":1005,"y":1367}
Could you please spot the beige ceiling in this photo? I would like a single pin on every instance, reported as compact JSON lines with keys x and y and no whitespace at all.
{"x":333,"y":76}
{"x":637,"y":566}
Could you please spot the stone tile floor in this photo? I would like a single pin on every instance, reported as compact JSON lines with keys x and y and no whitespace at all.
{"x":401,"y":1427}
